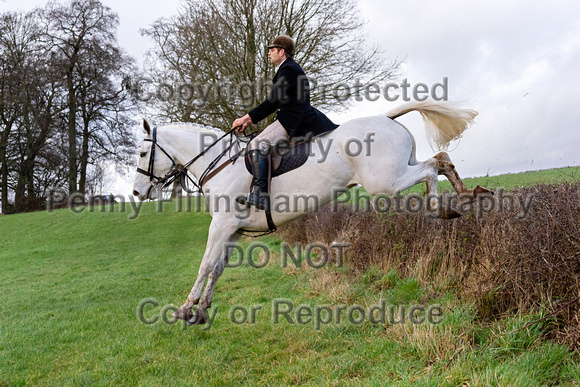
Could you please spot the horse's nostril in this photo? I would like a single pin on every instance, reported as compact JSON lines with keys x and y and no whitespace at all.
{"x":135,"y":193}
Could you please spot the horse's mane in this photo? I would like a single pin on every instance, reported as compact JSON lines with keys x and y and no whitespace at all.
{"x":194,"y":127}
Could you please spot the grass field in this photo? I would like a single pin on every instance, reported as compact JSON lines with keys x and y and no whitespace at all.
{"x":71,"y":284}
{"x":523,"y":179}
{"x":511,"y":180}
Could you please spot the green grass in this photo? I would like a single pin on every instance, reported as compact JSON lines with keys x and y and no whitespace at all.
{"x":70,"y":285}
{"x":523,"y":179}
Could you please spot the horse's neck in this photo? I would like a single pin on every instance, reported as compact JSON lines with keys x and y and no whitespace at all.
{"x":185,"y":144}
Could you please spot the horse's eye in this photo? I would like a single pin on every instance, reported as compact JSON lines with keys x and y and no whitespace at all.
{"x":143,"y":154}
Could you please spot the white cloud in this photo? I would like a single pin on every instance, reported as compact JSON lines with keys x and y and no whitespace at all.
{"x":515,"y":62}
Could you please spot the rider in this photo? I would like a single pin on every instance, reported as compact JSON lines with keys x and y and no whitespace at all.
{"x":290,"y":98}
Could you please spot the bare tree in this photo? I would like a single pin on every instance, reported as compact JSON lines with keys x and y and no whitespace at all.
{"x":29,"y":94}
{"x":64,"y":109}
{"x":213,"y":56}
{"x":103,"y":109}
{"x":79,"y":29}
{"x":9,"y":92}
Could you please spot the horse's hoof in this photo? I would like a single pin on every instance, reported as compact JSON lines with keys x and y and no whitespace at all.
{"x":479,"y":190}
{"x":183,"y":314}
{"x":449,"y":213}
{"x":199,"y":318}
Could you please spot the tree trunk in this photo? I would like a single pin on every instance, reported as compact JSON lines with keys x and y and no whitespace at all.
{"x":25,"y":187}
{"x":84,"y":157}
{"x":72,"y":133}
{"x":4,"y":167}
{"x":20,"y":192}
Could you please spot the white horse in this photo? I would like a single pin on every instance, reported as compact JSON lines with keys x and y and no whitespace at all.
{"x":375,"y":152}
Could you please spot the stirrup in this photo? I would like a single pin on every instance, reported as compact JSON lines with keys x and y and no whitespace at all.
{"x":258,"y":198}
{"x":242,"y":200}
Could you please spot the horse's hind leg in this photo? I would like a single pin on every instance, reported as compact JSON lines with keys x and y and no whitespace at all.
{"x":447,"y":169}
{"x":425,"y":171}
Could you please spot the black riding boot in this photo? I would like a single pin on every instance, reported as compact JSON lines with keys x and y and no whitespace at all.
{"x":259,"y":190}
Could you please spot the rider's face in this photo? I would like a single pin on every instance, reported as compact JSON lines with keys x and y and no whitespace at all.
{"x":274,"y":55}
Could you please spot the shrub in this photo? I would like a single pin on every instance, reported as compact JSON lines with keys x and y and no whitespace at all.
{"x":501,"y":263}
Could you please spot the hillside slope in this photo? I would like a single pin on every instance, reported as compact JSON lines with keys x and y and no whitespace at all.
{"x":72,"y":285}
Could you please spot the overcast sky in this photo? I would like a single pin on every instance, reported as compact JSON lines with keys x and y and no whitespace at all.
{"x":515,"y":62}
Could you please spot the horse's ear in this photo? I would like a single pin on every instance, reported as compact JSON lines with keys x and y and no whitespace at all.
{"x":146,"y":127}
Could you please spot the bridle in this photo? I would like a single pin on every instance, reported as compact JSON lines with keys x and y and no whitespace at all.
{"x":180,"y":171}
{"x":149,"y":171}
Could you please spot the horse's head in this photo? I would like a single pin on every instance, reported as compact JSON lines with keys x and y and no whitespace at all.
{"x":154,"y":163}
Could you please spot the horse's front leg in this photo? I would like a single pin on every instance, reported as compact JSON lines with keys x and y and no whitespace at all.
{"x":199,"y":317}
{"x":219,"y":235}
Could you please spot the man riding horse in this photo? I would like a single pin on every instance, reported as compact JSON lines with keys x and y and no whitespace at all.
{"x":290,"y":98}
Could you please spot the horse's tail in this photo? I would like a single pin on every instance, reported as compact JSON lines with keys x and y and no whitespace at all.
{"x":444,"y":121}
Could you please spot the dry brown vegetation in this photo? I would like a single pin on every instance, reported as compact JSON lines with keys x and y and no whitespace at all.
{"x":502,"y":264}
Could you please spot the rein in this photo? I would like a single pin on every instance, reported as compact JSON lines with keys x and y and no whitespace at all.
{"x":180,"y":171}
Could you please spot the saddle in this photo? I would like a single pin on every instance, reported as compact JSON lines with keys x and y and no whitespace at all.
{"x":285,"y":158}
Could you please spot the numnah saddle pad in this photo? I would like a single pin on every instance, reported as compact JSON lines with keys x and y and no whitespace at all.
{"x":293,"y":157}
